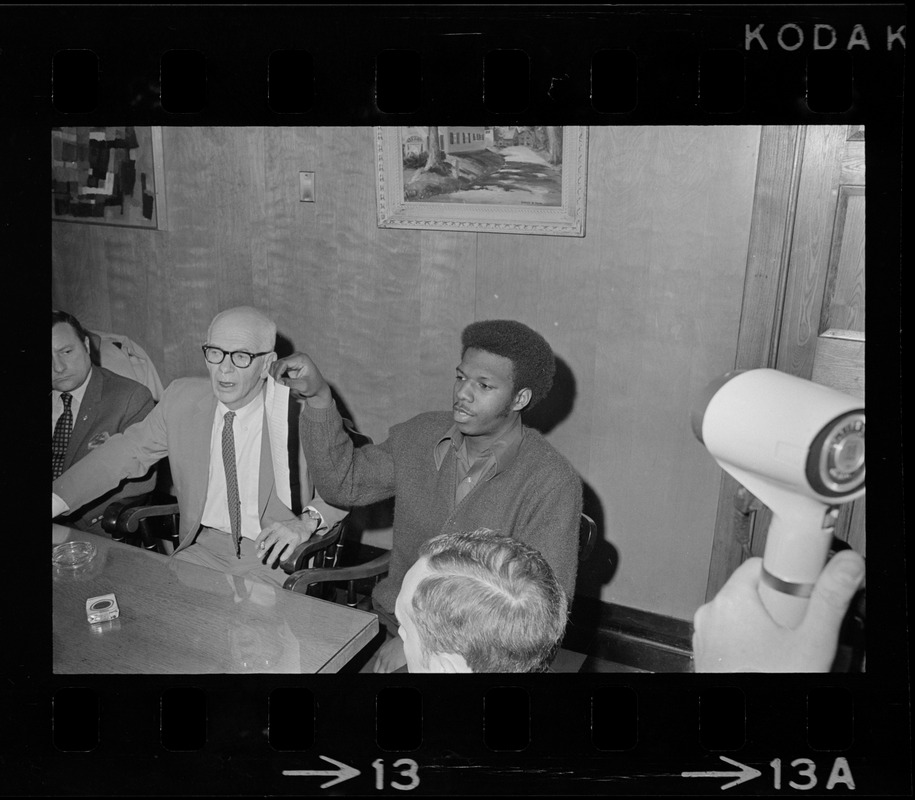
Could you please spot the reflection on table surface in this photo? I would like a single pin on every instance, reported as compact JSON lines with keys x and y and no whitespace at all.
{"x":177,"y":617}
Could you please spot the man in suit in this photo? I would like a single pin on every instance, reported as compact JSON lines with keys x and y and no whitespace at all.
{"x":246,"y":500}
{"x":89,"y":404}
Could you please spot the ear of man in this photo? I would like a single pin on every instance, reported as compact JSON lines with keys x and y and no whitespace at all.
{"x":522,"y":398}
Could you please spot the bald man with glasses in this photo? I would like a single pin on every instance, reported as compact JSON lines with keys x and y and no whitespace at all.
{"x":245,"y":496}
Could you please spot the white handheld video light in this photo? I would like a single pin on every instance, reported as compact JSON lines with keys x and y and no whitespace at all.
{"x":799,"y":447}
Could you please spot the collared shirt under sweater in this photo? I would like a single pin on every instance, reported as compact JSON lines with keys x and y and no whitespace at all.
{"x":536,"y":498}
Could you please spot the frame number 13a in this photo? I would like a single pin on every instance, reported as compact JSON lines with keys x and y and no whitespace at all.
{"x":803,"y":775}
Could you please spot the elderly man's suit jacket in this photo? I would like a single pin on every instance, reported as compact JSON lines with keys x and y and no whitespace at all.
{"x":110,"y":405}
{"x":180,"y":427}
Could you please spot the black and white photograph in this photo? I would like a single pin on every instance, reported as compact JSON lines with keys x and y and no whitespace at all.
{"x":669,"y":358}
{"x":457,"y":401}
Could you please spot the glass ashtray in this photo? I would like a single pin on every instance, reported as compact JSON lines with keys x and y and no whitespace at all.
{"x":72,"y":554}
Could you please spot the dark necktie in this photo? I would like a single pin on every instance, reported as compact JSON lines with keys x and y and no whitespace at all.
{"x":228,"y":461}
{"x":61,"y":437}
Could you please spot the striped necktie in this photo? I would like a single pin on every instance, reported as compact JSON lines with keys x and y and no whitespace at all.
{"x":61,"y":437}
{"x":228,"y":461}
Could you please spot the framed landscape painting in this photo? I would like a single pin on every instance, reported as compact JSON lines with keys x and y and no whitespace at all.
{"x":502,"y":179}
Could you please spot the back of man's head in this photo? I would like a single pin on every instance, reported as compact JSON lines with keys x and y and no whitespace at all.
{"x":491,"y":599}
{"x":532,"y":357}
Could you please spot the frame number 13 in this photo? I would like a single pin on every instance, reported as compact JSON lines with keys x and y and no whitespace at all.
{"x":406,"y":768}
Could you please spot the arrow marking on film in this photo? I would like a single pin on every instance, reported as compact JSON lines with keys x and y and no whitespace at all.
{"x":745,"y":774}
{"x":343,"y":773}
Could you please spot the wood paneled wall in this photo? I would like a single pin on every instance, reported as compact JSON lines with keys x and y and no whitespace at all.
{"x":642,"y":312}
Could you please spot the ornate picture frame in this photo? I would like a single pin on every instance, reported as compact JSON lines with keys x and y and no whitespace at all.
{"x":508,"y":179}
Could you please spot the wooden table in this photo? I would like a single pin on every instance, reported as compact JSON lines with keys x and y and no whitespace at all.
{"x":181,"y":618}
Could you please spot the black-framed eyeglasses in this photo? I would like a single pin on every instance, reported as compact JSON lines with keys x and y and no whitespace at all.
{"x":240,"y":358}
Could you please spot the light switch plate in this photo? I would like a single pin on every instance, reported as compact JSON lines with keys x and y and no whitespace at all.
{"x":306,"y":187}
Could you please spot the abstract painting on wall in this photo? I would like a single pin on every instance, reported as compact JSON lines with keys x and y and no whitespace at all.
{"x":108,"y":176}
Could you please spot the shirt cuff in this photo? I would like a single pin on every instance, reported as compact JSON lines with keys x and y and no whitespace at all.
{"x":322,"y":525}
{"x":58,"y":506}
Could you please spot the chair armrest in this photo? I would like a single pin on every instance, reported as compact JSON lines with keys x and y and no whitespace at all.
{"x":314,"y":545}
{"x":124,"y":515}
{"x":112,"y":511}
{"x":301,"y":580}
{"x":130,"y":519}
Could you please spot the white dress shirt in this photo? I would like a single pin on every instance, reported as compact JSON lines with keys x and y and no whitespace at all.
{"x":248,"y":427}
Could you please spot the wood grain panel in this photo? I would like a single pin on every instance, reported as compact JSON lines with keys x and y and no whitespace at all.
{"x":778,"y":175}
{"x":379,"y":286}
{"x":300,"y":275}
{"x":853,"y":165}
{"x":323,"y":306}
{"x":95,"y":277}
{"x":840,"y":364}
{"x":828,"y":282}
{"x":810,"y":249}
{"x":285,"y":286}
{"x":155,"y":254}
{"x":843,"y":306}
{"x":79,"y":282}
{"x":238,"y":163}
{"x":447,"y":281}
{"x":192,"y":279}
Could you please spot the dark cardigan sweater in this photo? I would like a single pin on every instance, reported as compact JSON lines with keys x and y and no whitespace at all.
{"x":537,"y":499}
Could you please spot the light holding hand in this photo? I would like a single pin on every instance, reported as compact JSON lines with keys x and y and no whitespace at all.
{"x":798,"y":446}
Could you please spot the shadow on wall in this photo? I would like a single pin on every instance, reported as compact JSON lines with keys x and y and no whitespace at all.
{"x":378,"y":516}
{"x":557,"y":405}
{"x":595,"y":573}
{"x":284,"y":347}
{"x":601,"y":566}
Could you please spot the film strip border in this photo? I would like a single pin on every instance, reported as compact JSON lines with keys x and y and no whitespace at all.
{"x":359,"y":65}
{"x":476,"y":738}
{"x":660,"y":734}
